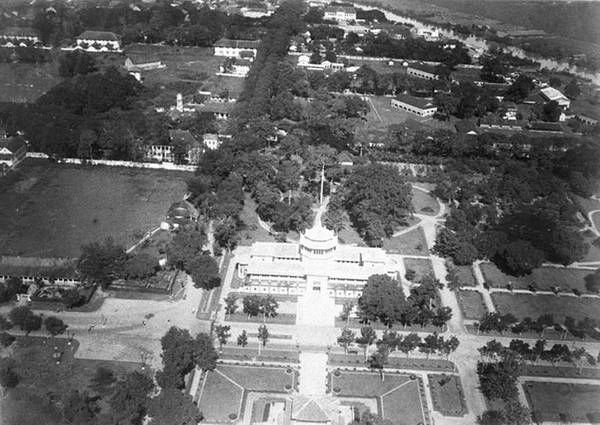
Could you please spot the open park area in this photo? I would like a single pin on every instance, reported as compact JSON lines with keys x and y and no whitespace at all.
{"x":224,"y":391}
{"x":43,"y":382}
{"x":400,"y":398}
{"x":410,"y":243}
{"x":524,"y":305}
{"x":541,"y":279}
{"x":50,"y":210}
{"x":471,"y":303}
{"x":563,"y":402}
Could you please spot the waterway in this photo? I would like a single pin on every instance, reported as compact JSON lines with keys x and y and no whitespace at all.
{"x":481,"y":44}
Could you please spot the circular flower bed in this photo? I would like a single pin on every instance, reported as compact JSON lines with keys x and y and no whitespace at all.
{"x":337,"y":372}
{"x":288,"y":370}
{"x":412,"y":376}
{"x":233,"y":416}
{"x":337,"y":390}
{"x":288,"y":387}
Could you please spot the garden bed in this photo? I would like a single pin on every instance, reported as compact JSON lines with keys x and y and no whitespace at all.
{"x":280,"y":319}
{"x":394,"y":362}
{"x":471,"y":304}
{"x":447,"y":395}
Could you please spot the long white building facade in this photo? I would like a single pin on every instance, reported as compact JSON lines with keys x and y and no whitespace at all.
{"x":318,"y":262}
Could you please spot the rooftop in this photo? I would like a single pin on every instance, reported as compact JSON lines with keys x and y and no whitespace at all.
{"x":344,"y":9}
{"x":551,"y":93}
{"x":19,"y":32}
{"x":417,"y":102}
{"x":423,"y":67}
{"x":181,"y":136}
{"x":238,"y":44}
{"x":13,"y":144}
{"x":98,"y":35}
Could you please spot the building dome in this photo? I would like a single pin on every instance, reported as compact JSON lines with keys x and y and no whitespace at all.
{"x":318,"y":241}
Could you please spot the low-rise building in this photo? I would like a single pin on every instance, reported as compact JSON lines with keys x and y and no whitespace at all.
{"x":424,"y":71}
{"x":98,"y":41}
{"x":211,"y":141}
{"x":552,"y":94}
{"x":19,"y":37}
{"x":143,"y":66}
{"x":429,"y":34}
{"x":236,"y":48}
{"x":340,"y":13}
{"x":255,"y":12}
{"x":420,"y":106}
{"x":12,"y":151}
{"x":181,"y":141}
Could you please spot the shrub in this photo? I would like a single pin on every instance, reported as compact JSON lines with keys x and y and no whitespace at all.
{"x":6,"y":339}
{"x":233,"y":416}
{"x":337,"y":389}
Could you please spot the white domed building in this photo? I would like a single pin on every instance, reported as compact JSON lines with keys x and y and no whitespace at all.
{"x":317,"y":263}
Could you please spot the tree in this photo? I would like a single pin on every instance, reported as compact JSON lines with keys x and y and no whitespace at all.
{"x":186,"y":246}
{"x":31,"y":323}
{"x":8,"y":377}
{"x":592,"y":281}
{"x":80,"y":408}
{"x":499,"y":380}
{"x":268,"y":306}
{"x":204,"y":271}
{"x":517,"y":414}
{"x":230,"y":303}
{"x":492,"y":350}
{"x":251,"y":305}
{"x":130,"y":399}
{"x":572,"y":89}
{"x":346,"y":339}
{"x":442,"y":315}
{"x":379,"y":359}
{"x":5,"y":324}
{"x":366,"y":339}
{"x":409,"y":343}
{"x":430,"y":344}
{"x":6,"y":339}
{"x":369,"y":418}
{"x":551,"y":111}
{"x":450,"y":345}
{"x":103,"y":379}
{"x":520,"y":88}
{"x":520,"y":257}
{"x":263,"y":336}
{"x":172,"y":407}
{"x":242,"y":339}
{"x":76,"y":62}
{"x":205,"y":355}
{"x":491,"y":417}
{"x":382,"y":299}
{"x":226,"y":233}
{"x":347,"y":308}
{"x":19,"y":315}
{"x":140,"y":266}
{"x":177,"y":356}
{"x":54,"y":325}
{"x":102,"y":263}
{"x":223,"y":333}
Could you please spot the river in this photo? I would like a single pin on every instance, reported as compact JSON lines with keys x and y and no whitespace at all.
{"x":482,"y":44}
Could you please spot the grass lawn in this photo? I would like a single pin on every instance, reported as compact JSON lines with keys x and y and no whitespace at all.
{"x":578,"y":402}
{"x":399,"y":396}
{"x":42,"y":383}
{"x":349,"y":235}
{"x":594,"y":242}
{"x":421,"y":267}
{"x":394,"y":362}
{"x":283,"y":355}
{"x":523,"y":305}
{"x":23,"y":82}
{"x":424,"y":203}
{"x":409,"y":243}
{"x":196,"y":65}
{"x":447,"y":394}
{"x":472,"y":305}
{"x":252,"y":232}
{"x":225,"y":388}
{"x":282,"y":318}
{"x":465,"y":274}
{"x":53,"y":209}
{"x":544,"y":278}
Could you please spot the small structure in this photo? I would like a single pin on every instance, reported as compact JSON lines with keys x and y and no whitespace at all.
{"x":12,"y":151}
{"x":98,"y":41}
{"x":429,"y":34}
{"x":320,"y":411}
{"x":236,"y":48}
{"x":180,"y":139}
{"x":211,"y":141}
{"x":143,"y":66}
{"x":340,"y":13}
{"x":424,"y":71}
{"x":420,"y":106}
{"x":235,"y":67}
{"x":19,"y":37}
{"x":255,"y":12}
{"x":551,"y":94}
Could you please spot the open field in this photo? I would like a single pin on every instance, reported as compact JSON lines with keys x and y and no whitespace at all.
{"x":224,"y":390}
{"x":447,"y":394}
{"x":424,"y":203}
{"x":465,"y":275}
{"x":195,"y":65}
{"x":42,"y":382}
{"x":471,"y":304}
{"x":22,"y":82}
{"x":252,"y":232}
{"x":523,"y":305}
{"x":409,"y":243}
{"x":398,"y":396}
{"x":421,"y":267}
{"x":53,"y":209}
{"x":550,"y":400}
{"x":544,"y":278}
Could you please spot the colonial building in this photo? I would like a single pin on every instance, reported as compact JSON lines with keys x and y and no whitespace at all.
{"x":237,"y":48}
{"x":416,"y":105}
{"x":550,"y":93}
{"x":318,"y":262}
{"x":340,"y":13}
{"x":167,"y":153}
{"x":426,"y":72}
{"x":12,"y":151}
{"x":98,"y":41}
{"x":19,"y":37}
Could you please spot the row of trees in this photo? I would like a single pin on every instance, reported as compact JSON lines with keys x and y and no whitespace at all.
{"x":28,"y":321}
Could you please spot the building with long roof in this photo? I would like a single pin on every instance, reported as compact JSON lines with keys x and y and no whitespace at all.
{"x":318,"y":262}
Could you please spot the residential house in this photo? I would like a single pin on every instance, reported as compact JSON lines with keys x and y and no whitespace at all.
{"x":181,"y":141}
{"x":420,"y":106}
{"x":98,"y":41}
{"x":221,"y":110}
{"x":236,"y":48}
{"x":211,"y":141}
{"x":340,"y":13}
{"x":19,"y":37}
{"x":424,"y":71}
{"x":12,"y":151}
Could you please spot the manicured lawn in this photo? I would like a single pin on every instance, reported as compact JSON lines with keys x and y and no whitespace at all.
{"x":394,"y":362}
{"x":409,"y":243}
{"x":524,"y":305}
{"x":42,"y":382}
{"x":282,"y":319}
{"x":594,"y":242}
{"x":578,"y":402}
{"x":282,"y":355}
{"x":348,"y":235}
{"x":472,"y":305}
{"x":398,"y":396}
{"x":544,"y":278}
{"x":53,"y":209}
{"x":421,"y":267}
{"x":220,"y":397}
{"x":424,"y":203}
{"x":252,"y":232}
{"x":226,"y":387}
{"x":465,"y":274}
{"x":447,"y":394}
